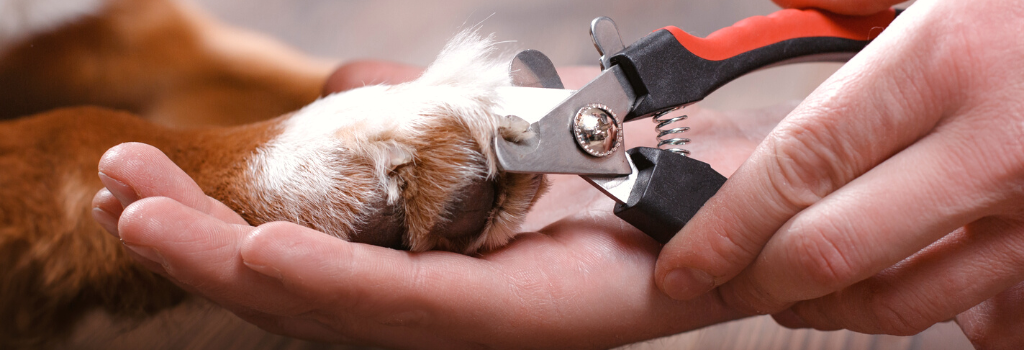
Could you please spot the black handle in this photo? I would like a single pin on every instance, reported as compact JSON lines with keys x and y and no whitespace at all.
{"x":669,"y":190}
{"x":671,"y":68}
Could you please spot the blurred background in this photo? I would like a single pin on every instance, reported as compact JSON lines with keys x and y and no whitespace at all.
{"x":414,"y":31}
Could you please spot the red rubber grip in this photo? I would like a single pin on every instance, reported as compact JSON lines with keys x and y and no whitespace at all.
{"x":760,"y":31}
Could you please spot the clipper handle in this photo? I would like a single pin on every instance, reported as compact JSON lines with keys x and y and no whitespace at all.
{"x":669,"y":190}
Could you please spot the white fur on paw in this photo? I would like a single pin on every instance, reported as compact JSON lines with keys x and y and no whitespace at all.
{"x":379,"y":130}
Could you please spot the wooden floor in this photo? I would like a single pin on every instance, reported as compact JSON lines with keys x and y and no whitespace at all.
{"x":413,"y":32}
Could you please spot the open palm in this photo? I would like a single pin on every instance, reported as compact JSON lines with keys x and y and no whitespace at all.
{"x":582,"y":278}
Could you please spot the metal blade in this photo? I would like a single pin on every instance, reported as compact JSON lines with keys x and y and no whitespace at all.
{"x":531,"y":68}
{"x":617,"y":187}
{"x":553,"y":149}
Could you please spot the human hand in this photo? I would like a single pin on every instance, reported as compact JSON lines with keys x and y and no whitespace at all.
{"x":582,"y":280}
{"x":892,"y":198}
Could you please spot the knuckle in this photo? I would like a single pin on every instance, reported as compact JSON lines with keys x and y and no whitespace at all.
{"x":822,"y":261}
{"x":412,"y":310}
{"x":723,"y":254}
{"x":808,"y":161}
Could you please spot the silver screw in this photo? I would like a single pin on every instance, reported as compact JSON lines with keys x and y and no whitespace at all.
{"x":597,"y":130}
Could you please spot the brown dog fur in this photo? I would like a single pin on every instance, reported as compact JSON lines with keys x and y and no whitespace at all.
{"x":168,"y":63}
{"x":56,"y":261}
{"x":162,"y":60}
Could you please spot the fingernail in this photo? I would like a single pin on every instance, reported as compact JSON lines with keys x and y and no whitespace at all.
{"x":147,"y":252}
{"x":686,"y":283}
{"x":789,"y":319}
{"x":106,"y":220}
{"x":124,"y":193}
{"x":269,"y":271}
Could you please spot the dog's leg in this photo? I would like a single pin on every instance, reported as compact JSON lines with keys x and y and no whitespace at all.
{"x":407,"y":166}
{"x":161,"y":59}
{"x":56,"y":263}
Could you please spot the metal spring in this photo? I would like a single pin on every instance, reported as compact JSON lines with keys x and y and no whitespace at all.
{"x":665,"y":140}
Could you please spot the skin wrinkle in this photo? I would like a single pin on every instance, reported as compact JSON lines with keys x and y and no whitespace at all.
{"x":956,"y":207}
{"x":960,"y":241}
{"x":940,"y":93}
{"x":292,"y":282}
{"x":889,"y":313}
{"x":814,"y":311}
{"x":811,"y":140}
{"x":355,"y":297}
{"x":422,"y":279}
{"x":837,"y":171}
{"x":582,"y":257}
{"x":1004,"y":165}
{"x":747,"y":300}
{"x":543,"y":291}
{"x":407,"y":313}
{"x":959,"y":50}
{"x":539,"y":287}
{"x":829,"y":267}
{"x":819,"y":223}
{"x":938,"y":109}
{"x":909,"y":321}
{"x":748,"y":248}
{"x":902,"y":88}
{"x":1005,"y":252}
{"x":896,"y":135}
{"x":854,"y":232}
{"x":784,"y":180}
{"x":990,"y":265}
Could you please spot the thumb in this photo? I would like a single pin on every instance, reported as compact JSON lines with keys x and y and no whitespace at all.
{"x":879,"y":103}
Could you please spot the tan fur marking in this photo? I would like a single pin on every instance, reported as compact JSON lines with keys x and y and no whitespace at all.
{"x":338,"y":165}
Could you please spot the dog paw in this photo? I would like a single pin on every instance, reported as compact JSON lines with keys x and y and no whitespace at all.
{"x":407,"y":166}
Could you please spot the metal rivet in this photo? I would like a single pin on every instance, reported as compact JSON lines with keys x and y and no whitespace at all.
{"x":597,"y":130}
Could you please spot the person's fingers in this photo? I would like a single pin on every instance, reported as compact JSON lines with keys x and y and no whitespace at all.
{"x":861,"y":116}
{"x":362,"y":73}
{"x":996,"y":322}
{"x":200,"y":252}
{"x":846,"y":7}
{"x":962,"y":270}
{"x":377,"y":292}
{"x":847,"y":236}
{"x":131,"y":171}
{"x":106,"y":209}
{"x":371,"y":292}
{"x":328,"y":270}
